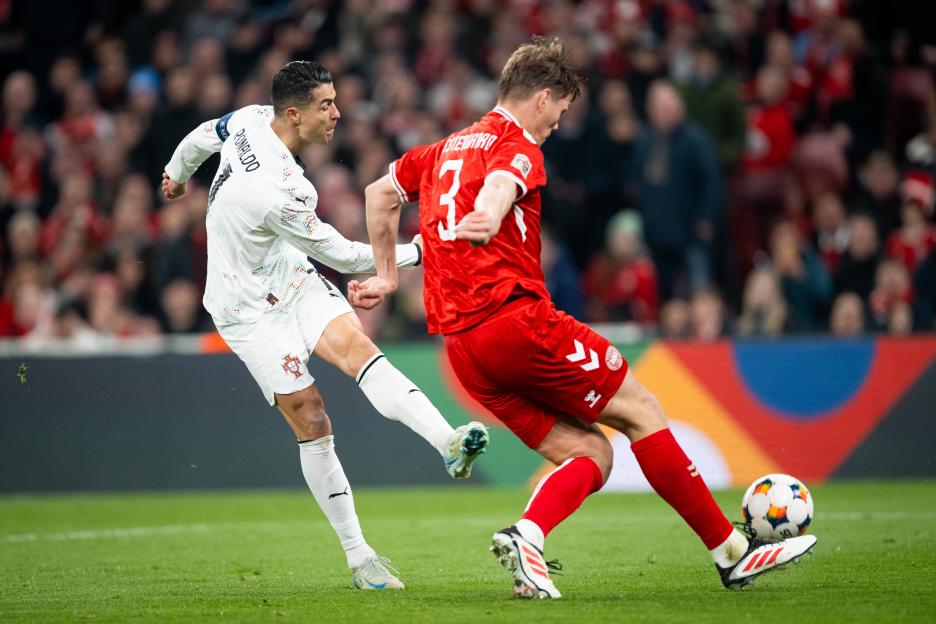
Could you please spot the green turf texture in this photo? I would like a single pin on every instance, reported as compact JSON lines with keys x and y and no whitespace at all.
{"x":271,"y":557}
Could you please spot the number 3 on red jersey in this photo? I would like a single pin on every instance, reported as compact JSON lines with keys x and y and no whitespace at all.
{"x":447,"y":199}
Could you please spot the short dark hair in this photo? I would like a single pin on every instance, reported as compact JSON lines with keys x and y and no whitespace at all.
{"x":293,"y":85}
{"x":542,"y":64}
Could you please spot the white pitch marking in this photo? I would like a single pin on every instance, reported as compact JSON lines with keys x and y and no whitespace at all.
{"x":182,"y":529}
{"x":172,"y":529}
{"x":877,"y":515}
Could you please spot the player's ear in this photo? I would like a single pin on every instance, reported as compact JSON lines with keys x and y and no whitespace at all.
{"x":542,"y":98}
{"x":292,"y":115}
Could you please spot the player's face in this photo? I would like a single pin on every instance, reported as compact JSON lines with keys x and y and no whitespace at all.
{"x":549,"y":110}
{"x":318,"y":120}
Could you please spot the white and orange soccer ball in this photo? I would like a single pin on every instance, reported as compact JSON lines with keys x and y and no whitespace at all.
{"x":777,"y":506}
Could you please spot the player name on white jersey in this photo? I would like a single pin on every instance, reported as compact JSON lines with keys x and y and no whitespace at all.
{"x":477,"y":140}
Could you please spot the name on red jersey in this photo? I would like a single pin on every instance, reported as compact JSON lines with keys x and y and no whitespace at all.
{"x":477,"y":140}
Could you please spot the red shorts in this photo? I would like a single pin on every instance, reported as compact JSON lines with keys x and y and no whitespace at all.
{"x":529,"y":363}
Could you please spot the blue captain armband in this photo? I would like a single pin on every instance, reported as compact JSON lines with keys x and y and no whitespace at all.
{"x":221,"y":126}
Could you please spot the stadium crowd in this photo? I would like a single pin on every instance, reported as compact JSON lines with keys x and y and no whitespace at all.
{"x":733,"y":167}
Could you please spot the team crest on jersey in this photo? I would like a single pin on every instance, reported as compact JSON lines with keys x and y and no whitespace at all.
{"x":522,"y":164}
{"x":613,"y":358}
{"x":291,"y":364}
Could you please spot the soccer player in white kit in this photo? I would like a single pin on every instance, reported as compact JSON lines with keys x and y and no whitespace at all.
{"x":275,"y":310}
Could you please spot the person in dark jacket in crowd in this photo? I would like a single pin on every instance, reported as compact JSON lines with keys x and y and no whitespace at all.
{"x":678,"y":182}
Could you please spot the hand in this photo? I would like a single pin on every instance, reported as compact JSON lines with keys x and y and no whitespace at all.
{"x":172,"y":189}
{"x":370,"y":293}
{"x":417,"y":240}
{"x":477,"y":227}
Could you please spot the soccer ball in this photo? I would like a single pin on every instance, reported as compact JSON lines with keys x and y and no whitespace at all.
{"x":777,"y":506}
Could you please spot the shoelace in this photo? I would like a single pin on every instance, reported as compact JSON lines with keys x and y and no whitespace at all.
{"x":554,"y":567}
{"x":751,"y":534}
{"x":382,"y":566}
{"x":747,"y":529}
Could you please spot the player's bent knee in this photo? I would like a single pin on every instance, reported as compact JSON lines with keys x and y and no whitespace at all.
{"x":306,"y":412}
{"x":636,"y":414}
{"x":651,"y":412}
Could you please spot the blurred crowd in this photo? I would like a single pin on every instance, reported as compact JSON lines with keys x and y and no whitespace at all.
{"x":733,"y":167}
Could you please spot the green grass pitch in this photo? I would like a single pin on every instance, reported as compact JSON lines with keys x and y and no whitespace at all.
{"x":270,"y":557}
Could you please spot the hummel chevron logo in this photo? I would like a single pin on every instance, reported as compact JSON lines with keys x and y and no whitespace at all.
{"x":579,"y":355}
{"x":693,"y":471}
{"x":345,"y":493}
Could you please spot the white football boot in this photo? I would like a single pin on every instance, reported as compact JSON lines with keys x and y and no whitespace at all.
{"x":526,"y":565}
{"x":468,"y":442}
{"x":764,"y":555}
{"x":375,"y":573}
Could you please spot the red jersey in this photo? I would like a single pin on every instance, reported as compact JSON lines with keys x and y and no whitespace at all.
{"x":465,"y":284}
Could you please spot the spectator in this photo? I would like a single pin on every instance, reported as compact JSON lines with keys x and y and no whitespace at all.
{"x":876,"y":194}
{"x":924,"y":286}
{"x":805,"y":281}
{"x":23,"y":237}
{"x":892,"y":290}
{"x":770,"y":131}
{"x":764,"y":310}
{"x":830,"y":229}
{"x":679,"y":193}
{"x":900,"y":319}
{"x":675,"y":320}
{"x":819,"y":161}
{"x":21,"y":147}
{"x":621,"y":283}
{"x":74,"y":220}
{"x":713,"y":100}
{"x":708,"y":317}
{"x":916,"y":237}
{"x":856,"y":270}
{"x":848,"y":316}
{"x":780,"y":57}
{"x":921,"y":149}
{"x":181,"y":308}
{"x":647,"y":67}
{"x":562,"y":278}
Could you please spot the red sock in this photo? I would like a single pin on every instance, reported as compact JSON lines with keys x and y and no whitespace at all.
{"x":676,"y":480}
{"x":562,"y":491}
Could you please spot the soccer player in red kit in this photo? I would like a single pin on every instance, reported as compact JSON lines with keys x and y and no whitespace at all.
{"x":548,"y":377}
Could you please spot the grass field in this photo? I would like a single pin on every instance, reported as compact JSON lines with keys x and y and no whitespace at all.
{"x":270,"y":557}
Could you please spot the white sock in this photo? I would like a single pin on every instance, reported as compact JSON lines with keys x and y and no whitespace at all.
{"x":398,"y":398}
{"x":531,"y":532}
{"x":731,"y":550}
{"x":329,"y":485}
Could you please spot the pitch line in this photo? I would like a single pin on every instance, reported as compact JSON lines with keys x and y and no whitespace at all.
{"x":172,"y":529}
{"x":188,"y":529}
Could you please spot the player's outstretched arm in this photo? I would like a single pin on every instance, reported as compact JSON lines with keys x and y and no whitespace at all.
{"x":383,"y":221}
{"x":188,"y":156}
{"x":296,"y":221}
{"x":492,"y":204}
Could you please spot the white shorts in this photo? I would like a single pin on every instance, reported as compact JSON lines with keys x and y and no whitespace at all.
{"x":277,"y":347}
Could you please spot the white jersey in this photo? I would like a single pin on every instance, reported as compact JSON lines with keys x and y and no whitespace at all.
{"x":261,"y":219}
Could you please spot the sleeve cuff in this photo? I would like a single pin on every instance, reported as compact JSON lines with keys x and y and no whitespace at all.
{"x":396,"y":183}
{"x":510,"y":176}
